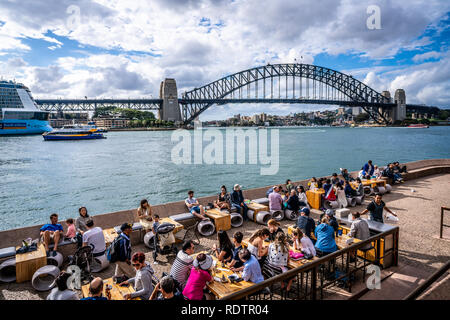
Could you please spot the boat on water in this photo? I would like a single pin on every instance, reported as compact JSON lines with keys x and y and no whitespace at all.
{"x":74,"y":132}
{"x":418,"y":125}
{"x":19,"y":113}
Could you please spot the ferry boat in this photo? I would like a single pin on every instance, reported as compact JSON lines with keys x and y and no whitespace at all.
{"x":74,"y":132}
{"x":19,"y":113}
{"x":418,"y":125}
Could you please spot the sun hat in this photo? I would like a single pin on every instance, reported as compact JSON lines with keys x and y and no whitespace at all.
{"x":236,"y":186}
{"x":205,"y":264}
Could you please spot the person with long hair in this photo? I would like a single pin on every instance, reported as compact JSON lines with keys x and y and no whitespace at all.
{"x":302,"y":198}
{"x":145,"y":215}
{"x":278,"y":257}
{"x":256,"y":244}
{"x":224,"y":252}
{"x":303,"y":243}
{"x":223,"y":199}
{"x":80,"y":223}
{"x":274,"y":228}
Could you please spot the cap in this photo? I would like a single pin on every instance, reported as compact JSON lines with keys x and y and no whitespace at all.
{"x":305,"y":210}
{"x":205,"y":264}
{"x":126,"y":226}
{"x":236,"y":186}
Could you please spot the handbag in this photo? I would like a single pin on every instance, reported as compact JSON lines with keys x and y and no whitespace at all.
{"x":295,"y":255}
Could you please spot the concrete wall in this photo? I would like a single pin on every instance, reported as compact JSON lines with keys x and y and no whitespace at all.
{"x":108,"y":220}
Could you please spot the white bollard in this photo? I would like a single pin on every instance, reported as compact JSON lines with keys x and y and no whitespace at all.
{"x":277,"y":214}
{"x":263,"y":216}
{"x":236,"y":220}
{"x":8,"y":270}
{"x":44,"y":278}
{"x":57,"y":260}
{"x":206,"y":228}
{"x":100,"y":263}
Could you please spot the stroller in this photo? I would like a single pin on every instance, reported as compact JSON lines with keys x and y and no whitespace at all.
{"x":163,"y":242}
{"x":83,"y":258}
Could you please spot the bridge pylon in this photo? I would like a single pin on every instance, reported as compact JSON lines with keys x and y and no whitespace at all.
{"x":399,"y":112}
{"x":170,"y":109}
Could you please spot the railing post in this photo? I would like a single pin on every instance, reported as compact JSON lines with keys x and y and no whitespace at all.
{"x":442,"y":222}
{"x":314,"y":283}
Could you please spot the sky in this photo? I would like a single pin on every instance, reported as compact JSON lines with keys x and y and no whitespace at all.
{"x":116,"y":48}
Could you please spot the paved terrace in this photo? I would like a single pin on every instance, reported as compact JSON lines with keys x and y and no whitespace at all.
{"x":421,"y":252}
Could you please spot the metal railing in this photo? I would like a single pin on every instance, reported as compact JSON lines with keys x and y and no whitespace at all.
{"x":333,"y":271}
{"x":442,"y":221}
{"x":424,"y":286}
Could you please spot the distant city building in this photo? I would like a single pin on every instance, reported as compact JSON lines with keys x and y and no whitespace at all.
{"x":111,"y":122}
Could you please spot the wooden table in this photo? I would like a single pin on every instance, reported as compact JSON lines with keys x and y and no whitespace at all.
{"x":222,"y":220}
{"x":373,"y":183}
{"x":315,"y":198}
{"x":256,"y":207}
{"x":220,"y":289}
{"x":28,"y":263}
{"x":117,"y":291}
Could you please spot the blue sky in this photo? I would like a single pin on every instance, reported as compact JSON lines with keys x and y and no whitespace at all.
{"x":64,"y":48}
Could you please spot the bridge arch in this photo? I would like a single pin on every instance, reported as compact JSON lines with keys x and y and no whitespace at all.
{"x":198,"y":100}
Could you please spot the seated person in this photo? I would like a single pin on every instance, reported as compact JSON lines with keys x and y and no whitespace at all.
{"x":71,"y":231}
{"x":368,"y":168}
{"x":194,"y":207}
{"x":256,"y":244}
{"x":359,"y":229}
{"x":224,"y":252}
{"x":302,"y":198}
{"x":346,"y":175}
{"x":327,"y":185}
{"x":312,"y":184}
{"x":329,"y":213}
{"x":274,"y":229}
{"x":334,"y":179}
{"x":306,"y":223}
{"x":51,"y":231}
{"x":94,"y":237}
{"x":349,"y":191}
{"x":275,"y":200}
{"x":269,"y":192}
{"x":200,"y":276}
{"x":96,"y":290}
{"x":223,"y":200}
{"x":252,"y":269}
{"x":359,"y":188}
{"x":303,"y":243}
{"x":377,"y":172}
{"x":398,"y":168}
{"x":143,"y":286}
{"x":167,"y":289}
{"x":182,"y":265}
{"x":289,"y":185}
{"x":145,"y":215}
{"x":236,"y":264}
{"x":292,"y":203}
{"x":278,"y":256}
{"x":237,"y":201}
{"x":61,"y":291}
{"x":325,"y":243}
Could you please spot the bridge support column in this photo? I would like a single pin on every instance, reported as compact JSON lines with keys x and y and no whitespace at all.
{"x":399,"y":112}
{"x":170,"y":109}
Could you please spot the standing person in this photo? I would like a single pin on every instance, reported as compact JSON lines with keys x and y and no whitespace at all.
{"x":236,"y":264}
{"x":194,"y":207}
{"x":61,"y":291}
{"x":94,"y":237}
{"x":155,"y":226}
{"x":80,"y":223}
{"x":224,"y":252}
{"x":275,"y":200}
{"x":52,"y":231}
{"x":223,"y":199}
{"x":305,"y":222}
{"x":237,"y":201}
{"x":142,"y":282}
{"x":302,"y":198}
{"x":274,"y":229}
{"x":376,"y":209}
{"x":123,"y":263}
{"x":182,"y":265}
{"x":145,"y":215}
{"x":325,"y":243}
{"x":252,"y":269}
{"x":96,"y":290}
{"x":256,"y":244}
{"x":199,"y":277}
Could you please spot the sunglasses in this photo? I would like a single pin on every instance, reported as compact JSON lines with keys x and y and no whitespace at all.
{"x":135,"y":264}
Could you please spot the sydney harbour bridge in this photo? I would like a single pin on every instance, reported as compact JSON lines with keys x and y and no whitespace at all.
{"x":293,"y":83}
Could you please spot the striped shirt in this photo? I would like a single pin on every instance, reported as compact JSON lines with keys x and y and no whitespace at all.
{"x":181,"y":267}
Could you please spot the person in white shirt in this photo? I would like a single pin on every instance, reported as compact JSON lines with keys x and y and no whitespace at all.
{"x":303,"y":243}
{"x":94,"y":237}
{"x":302,"y":198}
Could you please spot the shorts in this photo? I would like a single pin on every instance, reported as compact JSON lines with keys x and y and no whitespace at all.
{"x":196,"y":209}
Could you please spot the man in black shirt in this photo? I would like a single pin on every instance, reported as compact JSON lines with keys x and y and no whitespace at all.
{"x":376,"y":209}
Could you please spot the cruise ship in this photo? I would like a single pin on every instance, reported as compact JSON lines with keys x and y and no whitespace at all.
{"x":19,"y":113}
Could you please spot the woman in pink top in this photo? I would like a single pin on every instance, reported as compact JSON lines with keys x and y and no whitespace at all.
{"x":71,"y":232}
{"x":199,"y":277}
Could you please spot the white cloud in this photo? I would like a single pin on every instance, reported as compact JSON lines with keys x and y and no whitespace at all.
{"x":427,"y":56}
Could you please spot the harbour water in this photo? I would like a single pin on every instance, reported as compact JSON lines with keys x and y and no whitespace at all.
{"x":38,"y":178}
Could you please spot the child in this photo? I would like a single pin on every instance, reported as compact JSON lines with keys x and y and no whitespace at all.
{"x":71,"y":232}
{"x":155,"y":226}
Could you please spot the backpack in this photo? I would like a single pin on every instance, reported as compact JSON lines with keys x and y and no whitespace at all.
{"x":112,"y":253}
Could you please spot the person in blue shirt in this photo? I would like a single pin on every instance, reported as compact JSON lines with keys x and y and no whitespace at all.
{"x":349,"y":191}
{"x":124,"y":270}
{"x":51,"y":232}
{"x":96,"y":290}
{"x":252,"y":269}
{"x":237,"y":201}
{"x":368,"y":168}
{"x":325,"y":243}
